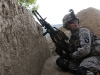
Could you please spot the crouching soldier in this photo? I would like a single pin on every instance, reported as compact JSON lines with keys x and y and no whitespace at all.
{"x":84,"y":56}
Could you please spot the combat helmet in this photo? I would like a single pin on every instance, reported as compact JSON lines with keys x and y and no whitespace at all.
{"x":69,"y":17}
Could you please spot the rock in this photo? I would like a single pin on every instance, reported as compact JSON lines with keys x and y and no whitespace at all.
{"x":23,"y":48}
{"x":90,"y":18}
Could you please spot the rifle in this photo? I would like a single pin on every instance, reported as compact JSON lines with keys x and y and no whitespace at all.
{"x":57,"y":36}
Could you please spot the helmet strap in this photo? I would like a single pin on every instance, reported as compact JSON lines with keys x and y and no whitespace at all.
{"x":67,"y":27}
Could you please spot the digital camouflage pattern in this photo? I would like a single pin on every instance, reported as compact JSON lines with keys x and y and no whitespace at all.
{"x":92,"y":62}
{"x":85,"y":42}
{"x":66,"y":19}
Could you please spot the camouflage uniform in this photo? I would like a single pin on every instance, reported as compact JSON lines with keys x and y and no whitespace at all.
{"x":81,"y":43}
{"x":82,"y":49}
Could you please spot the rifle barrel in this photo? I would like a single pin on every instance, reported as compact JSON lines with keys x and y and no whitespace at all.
{"x":42,"y":21}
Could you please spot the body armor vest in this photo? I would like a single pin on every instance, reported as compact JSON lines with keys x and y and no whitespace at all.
{"x":74,"y":41}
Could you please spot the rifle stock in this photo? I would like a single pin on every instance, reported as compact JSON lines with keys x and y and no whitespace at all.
{"x":58,"y":37}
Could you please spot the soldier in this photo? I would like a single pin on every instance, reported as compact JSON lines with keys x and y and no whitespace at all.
{"x":84,"y":58}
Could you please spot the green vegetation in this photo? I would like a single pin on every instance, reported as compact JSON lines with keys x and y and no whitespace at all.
{"x":29,"y":4}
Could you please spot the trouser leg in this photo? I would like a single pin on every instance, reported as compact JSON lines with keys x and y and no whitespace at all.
{"x":93,"y":65}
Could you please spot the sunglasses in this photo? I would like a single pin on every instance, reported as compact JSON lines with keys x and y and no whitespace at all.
{"x":71,"y":22}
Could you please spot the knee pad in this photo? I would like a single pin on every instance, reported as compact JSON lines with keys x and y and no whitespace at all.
{"x":81,"y":70}
{"x":62,"y":63}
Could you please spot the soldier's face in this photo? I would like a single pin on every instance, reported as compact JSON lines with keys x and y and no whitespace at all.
{"x":74,"y":25}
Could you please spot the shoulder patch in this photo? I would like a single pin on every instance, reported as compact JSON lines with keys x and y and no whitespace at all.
{"x":86,"y":40}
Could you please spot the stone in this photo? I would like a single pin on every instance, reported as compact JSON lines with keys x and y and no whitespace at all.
{"x":23,"y":48}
